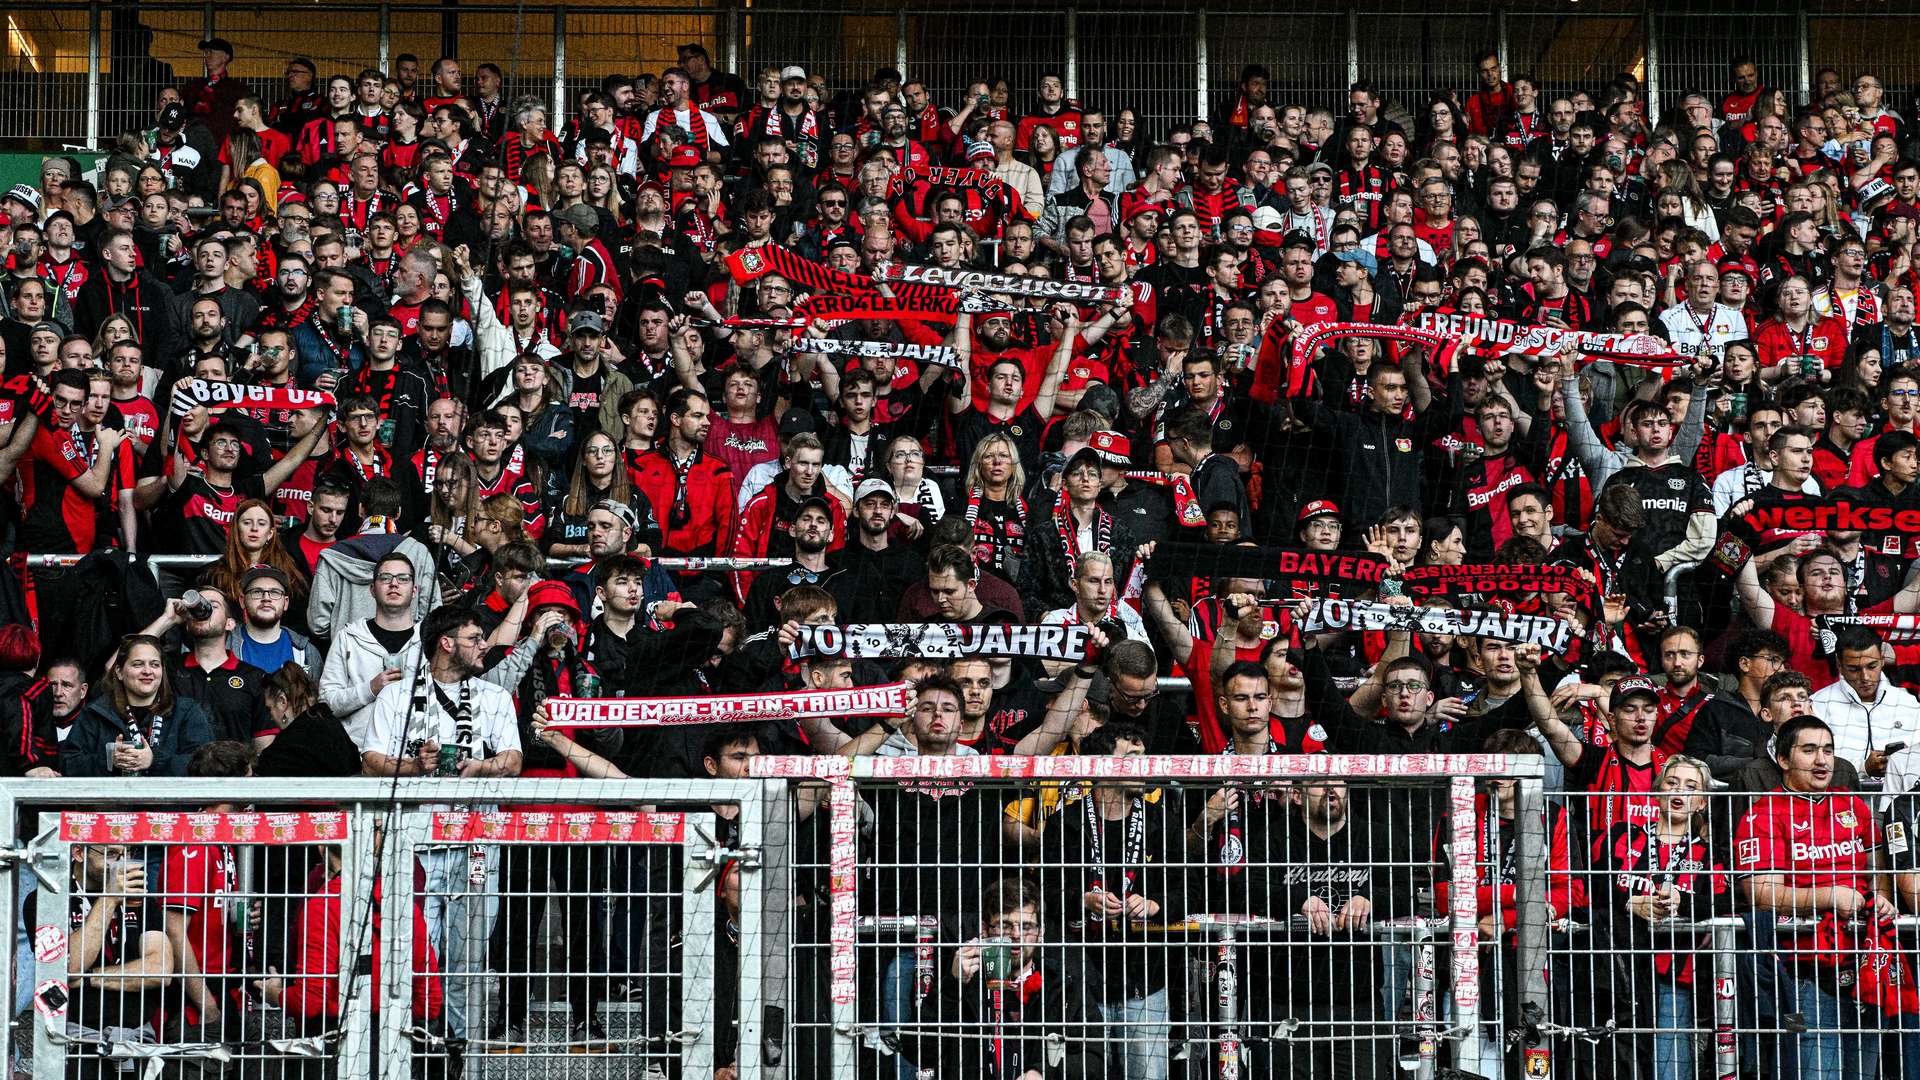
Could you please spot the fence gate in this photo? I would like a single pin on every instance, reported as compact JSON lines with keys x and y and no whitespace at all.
{"x":530,"y":928}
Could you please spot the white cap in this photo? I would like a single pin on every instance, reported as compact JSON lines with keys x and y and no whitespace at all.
{"x":793,"y":71}
{"x":872,"y":485}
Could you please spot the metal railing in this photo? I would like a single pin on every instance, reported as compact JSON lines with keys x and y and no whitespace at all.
{"x":378,"y":873}
{"x":83,"y":72}
{"x":1499,"y":937}
{"x":1205,"y":959}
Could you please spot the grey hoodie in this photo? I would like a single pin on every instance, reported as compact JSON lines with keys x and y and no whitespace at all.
{"x":342,"y":593}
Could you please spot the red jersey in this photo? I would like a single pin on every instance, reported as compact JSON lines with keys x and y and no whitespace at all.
{"x":1811,"y":842}
{"x":58,"y":518}
{"x":1315,"y":309}
{"x":200,"y":880}
{"x":1825,"y":338}
{"x":593,"y":266}
{"x":139,"y":420}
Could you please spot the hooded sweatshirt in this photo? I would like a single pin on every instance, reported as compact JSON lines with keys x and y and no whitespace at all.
{"x":342,"y":593}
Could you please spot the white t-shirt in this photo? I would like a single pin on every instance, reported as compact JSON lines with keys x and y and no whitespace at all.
{"x":1690,"y":338}
{"x":496,"y":730}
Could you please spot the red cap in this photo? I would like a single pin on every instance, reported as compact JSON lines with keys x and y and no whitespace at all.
{"x":1113,"y":447}
{"x":1317,"y":508}
{"x":1134,"y":203}
{"x":1735,"y":266}
{"x":552,"y":594}
{"x":683,"y":157}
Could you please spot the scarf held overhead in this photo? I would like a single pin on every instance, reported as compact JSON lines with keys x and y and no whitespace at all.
{"x":1549,"y":633}
{"x":1005,"y":284}
{"x":895,"y":350}
{"x":1742,"y":530}
{"x":1354,"y":571}
{"x":225,"y":395}
{"x":941,"y":641}
{"x":753,"y":263}
{"x":1503,"y":337}
{"x":1511,"y":581}
{"x":563,"y":712}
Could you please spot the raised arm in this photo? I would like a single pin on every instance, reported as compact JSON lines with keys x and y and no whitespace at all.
{"x":960,"y":340}
{"x":295,"y":456}
{"x":1179,"y":639}
{"x":1756,"y":600}
{"x":1056,"y":370}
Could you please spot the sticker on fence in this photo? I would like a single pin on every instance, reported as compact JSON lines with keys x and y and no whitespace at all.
{"x":561,"y":827}
{"x":160,"y":827}
{"x":50,"y":944}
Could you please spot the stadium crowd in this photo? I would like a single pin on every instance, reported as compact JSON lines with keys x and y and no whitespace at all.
{"x":434,"y":380}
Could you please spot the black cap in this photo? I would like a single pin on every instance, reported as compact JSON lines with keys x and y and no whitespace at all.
{"x":796,"y":421}
{"x":1630,"y":687}
{"x":815,"y":500}
{"x":219,"y":43}
{"x":261,"y":570}
{"x":172,"y":115}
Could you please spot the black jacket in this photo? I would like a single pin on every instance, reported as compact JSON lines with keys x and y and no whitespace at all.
{"x":1046,"y":579}
{"x":1384,"y":456}
{"x":1058,"y":1005}
{"x":28,"y":739}
{"x":88,"y":750}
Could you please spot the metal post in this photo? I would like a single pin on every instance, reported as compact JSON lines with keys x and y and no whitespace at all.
{"x":697,"y":923}
{"x":50,"y":909}
{"x":769,"y":1011}
{"x":1530,"y":905}
{"x":93,"y":73}
{"x":1500,"y":40}
{"x":386,"y":37}
{"x":10,"y":837}
{"x":733,"y":37}
{"x":1803,"y":58}
{"x":1726,"y":1043}
{"x":398,"y":901}
{"x":559,"y":66}
{"x":206,"y":20}
{"x":1073,"y":52}
{"x":1353,"y":46}
{"x":1653,"y":69}
{"x":1200,"y":62}
{"x":358,"y":867}
{"x":900,"y":40}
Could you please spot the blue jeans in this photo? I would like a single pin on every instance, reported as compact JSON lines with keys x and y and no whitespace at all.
{"x":460,"y":917}
{"x":1673,"y":1044}
{"x":1143,"y":1023}
{"x":897,"y":1005}
{"x":1757,"y":1007}
{"x":1841,"y":1040}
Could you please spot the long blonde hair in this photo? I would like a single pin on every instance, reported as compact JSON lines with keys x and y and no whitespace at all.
{"x":1016,"y":482}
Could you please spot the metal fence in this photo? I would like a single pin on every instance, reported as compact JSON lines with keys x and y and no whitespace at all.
{"x":1124,"y":916}
{"x":83,"y":72}
{"x":496,"y":929}
{"x":1189,"y":917}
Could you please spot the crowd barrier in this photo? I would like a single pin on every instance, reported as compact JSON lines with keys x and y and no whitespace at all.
{"x":834,"y":918}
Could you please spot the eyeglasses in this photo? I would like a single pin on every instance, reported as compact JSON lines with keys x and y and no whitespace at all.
{"x":394,"y":579}
{"x":1405,"y":686}
{"x":1909,"y":392}
{"x":1122,"y":695}
{"x":266,"y":594}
